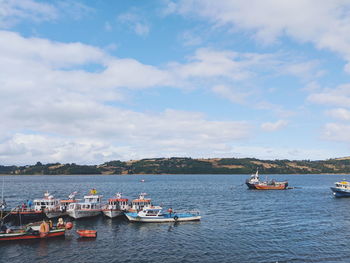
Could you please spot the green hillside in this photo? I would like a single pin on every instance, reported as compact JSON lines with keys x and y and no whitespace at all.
{"x":178,"y":165}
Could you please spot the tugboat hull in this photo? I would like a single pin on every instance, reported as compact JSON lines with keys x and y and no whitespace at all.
{"x":111,"y":213}
{"x":276,"y":186}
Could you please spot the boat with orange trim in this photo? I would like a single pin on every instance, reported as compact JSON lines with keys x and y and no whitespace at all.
{"x":34,"y":231}
{"x":115,"y":206}
{"x":27,"y":214}
{"x":60,"y":209}
{"x":140,"y":203}
{"x":254,"y":183}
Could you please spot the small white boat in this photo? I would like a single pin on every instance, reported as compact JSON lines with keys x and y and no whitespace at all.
{"x":90,"y":207}
{"x":116,"y":206}
{"x":140,"y":203}
{"x":155,"y":214}
{"x":61,"y":208}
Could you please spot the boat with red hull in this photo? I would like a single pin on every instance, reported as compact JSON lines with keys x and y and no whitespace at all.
{"x":254,"y":183}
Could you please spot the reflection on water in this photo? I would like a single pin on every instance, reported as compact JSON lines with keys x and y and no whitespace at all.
{"x":300,"y":225}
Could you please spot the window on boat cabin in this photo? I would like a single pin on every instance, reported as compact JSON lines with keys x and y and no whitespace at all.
{"x":152,"y":212}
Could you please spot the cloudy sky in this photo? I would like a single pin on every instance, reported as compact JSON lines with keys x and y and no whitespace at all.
{"x":93,"y":81}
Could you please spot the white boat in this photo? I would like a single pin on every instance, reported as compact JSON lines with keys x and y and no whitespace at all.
{"x":155,"y":214}
{"x":116,"y":206}
{"x":140,"y":203}
{"x":90,"y":207}
{"x":48,"y":202}
{"x":61,"y":208}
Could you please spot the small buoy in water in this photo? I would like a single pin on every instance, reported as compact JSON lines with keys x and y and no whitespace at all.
{"x":142,"y":180}
{"x":69,"y":225}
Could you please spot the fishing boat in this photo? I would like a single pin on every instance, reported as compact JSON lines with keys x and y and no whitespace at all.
{"x":341,"y":189}
{"x":90,"y":207}
{"x":60,"y":209}
{"x":33,"y":232}
{"x":155,"y":214}
{"x":254,"y":182}
{"x":140,"y":203}
{"x":115,"y":206}
{"x":26,"y":214}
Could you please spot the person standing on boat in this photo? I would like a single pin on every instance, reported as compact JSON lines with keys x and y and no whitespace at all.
{"x":170,"y":211}
{"x":60,"y":223}
{"x":29,"y":204}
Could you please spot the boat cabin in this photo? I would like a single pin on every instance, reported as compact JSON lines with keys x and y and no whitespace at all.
{"x":93,"y":198}
{"x":343,"y":185}
{"x":83,"y":206}
{"x":140,"y":203}
{"x":48,"y":202}
{"x":151,"y":211}
{"x":118,"y":202}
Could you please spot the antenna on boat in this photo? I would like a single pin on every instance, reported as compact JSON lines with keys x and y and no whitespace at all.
{"x":2,"y":198}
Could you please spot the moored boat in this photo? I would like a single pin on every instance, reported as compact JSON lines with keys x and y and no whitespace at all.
{"x":27,"y":214}
{"x":341,"y":189}
{"x":254,"y":183}
{"x":155,"y":214}
{"x":115,"y":206}
{"x":60,"y":209}
{"x":140,"y":203}
{"x":33,"y":232}
{"x":90,"y":207}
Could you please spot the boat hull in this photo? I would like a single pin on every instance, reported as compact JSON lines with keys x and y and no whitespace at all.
{"x":133,"y":217}
{"x":54,"y":214}
{"x":28,"y":235}
{"x":76,"y":214}
{"x":279,"y":186}
{"x":112,"y":213}
{"x":340,"y":192}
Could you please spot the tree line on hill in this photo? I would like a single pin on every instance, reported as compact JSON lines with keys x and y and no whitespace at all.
{"x":177,"y":165}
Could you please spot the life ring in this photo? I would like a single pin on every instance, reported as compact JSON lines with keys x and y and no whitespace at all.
{"x":176,"y":218}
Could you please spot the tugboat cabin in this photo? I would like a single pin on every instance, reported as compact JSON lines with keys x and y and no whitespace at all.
{"x":118,"y":203}
{"x":140,"y":203}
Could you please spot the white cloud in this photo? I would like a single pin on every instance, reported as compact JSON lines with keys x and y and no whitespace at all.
{"x":337,"y":132}
{"x":135,"y":22}
{"x":339,"y":113}
{"x":339,"y":96}
{"x":274,"y":126}
{"x":325,"y":24}
{"x":231,"y":93}
{"x":54,"y":108}
{"x":13,"y":12}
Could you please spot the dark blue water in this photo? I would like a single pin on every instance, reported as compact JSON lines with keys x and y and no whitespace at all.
{"x":238,"y":225}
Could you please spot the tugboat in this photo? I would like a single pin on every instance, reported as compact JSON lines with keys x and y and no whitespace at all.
{"x":140,"y":203}
{"x":341,"y":189}
{"x":26,"y":214}
{"x":90,"y":207}
{"x":155,"y":214}
{"x":254,"y":183}
{"x":116,"y":206}
{"x":61,"y":209}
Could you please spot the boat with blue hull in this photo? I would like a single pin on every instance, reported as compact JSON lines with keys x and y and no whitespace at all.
{"x":155,"y":214}
{"x":341,"y":189}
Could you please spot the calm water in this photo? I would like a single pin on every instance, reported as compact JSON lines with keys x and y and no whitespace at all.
{"x":238,"y":225}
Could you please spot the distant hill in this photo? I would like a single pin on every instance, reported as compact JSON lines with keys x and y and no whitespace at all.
{"x":178,"y":165}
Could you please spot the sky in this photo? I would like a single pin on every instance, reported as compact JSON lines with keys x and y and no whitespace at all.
{"x":92,"y":81}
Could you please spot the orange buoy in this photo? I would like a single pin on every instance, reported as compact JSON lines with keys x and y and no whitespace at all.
{"x":69,"y":225}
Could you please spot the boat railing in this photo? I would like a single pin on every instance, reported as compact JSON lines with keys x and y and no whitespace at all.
{"x":193,"y":212}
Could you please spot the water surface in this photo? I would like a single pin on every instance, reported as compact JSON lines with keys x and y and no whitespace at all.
{"x":238,"y":225}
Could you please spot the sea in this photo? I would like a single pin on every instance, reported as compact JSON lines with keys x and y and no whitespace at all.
{"x":304,"y":224}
